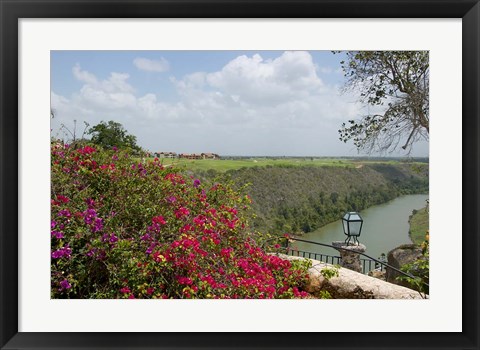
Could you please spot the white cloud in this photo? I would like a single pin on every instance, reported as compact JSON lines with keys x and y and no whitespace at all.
{"x":83,"y":76}
{"x":248,"y":97}
{"x":97,"y":95}
{"x":160,"y":65}
{"x":266,"y":82}
{"x":285,"y":91}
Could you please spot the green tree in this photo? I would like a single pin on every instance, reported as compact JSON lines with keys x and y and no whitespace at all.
{"x":112,"y":134}
{"x":397,"y":80}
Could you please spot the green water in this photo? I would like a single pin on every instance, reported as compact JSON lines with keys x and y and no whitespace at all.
{"x":385,"y":227}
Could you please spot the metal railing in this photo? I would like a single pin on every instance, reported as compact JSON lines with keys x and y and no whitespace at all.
{"x":329,"y":259}
{"x":368,"y":261}
{"x":367,"y":264}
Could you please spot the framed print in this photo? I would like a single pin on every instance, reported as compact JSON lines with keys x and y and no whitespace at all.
{"x":226,"y":62}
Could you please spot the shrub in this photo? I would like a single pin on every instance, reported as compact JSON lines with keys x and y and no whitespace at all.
{"x":419,"y":269}
{"x":123,"y":229}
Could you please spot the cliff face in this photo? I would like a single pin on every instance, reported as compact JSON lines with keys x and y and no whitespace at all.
{"x":301,"y":199}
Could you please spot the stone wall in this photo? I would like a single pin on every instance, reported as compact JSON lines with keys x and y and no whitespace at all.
{"x":352,"y":285}
{"x":398,"y":257}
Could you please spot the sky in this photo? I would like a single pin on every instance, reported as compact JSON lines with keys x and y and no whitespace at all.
{"x":257,"y":103}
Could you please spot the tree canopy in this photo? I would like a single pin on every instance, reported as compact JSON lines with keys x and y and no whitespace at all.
{"x":397,"y":80}
{"x":112,"y":134}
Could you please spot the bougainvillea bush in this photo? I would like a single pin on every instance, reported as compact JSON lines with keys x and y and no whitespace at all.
{"x":127,"y":229}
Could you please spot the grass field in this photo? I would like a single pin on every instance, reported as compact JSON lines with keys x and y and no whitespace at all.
{"x":419,"y":226}
{"x":222,"y":165}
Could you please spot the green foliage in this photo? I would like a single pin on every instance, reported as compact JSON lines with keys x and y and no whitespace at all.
{"x":397,"y":80}
{"x":329,"y":272}
{"x":302,"y":199}
{"x":419,"y":269}
{"x":223,"y":165}
{"x":112,"y":134}
{"x":324,"y":294}
{"x":419,"y":224}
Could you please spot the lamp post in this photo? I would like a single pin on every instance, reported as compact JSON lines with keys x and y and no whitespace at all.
{"x":352,"y":226}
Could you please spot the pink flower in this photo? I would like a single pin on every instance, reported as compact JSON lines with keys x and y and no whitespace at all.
{"x":184,"y":280}
{"x":225,"y":252}
{"x":86,"y":150}
{"x":181,"y":212}
{"x":158,"y":220}
{"x":125,"y":290}
{"x":62,"y":199}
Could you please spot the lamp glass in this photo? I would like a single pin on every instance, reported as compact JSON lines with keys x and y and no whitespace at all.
{"x":345,"y":226}
{"x":355,"y":227}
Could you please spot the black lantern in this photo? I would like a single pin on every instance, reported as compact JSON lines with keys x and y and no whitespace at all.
{"x":352,"y":226}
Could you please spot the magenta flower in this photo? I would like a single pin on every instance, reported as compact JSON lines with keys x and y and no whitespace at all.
{"x":64,"y":252}
{"x":64,"y":285}
{"x":158,"y":220}
{"x":86,"y":150}
{"x":98,"y":225}
{"x":57,"y":254}
{"x":90,"y":202}
{"x":91,"y":252}
{"x":184,"y":280}
{"x":151,"y":248}
{"x":89,"y":216}
{"x":64,"y":212}
{"x":196,"y":183}
{"x":181,"y":212}
{"x":57,"y":234}
{"x":125,"y":290}
{"x":62,"y":199}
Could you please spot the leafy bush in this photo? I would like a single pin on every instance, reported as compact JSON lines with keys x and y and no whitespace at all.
{"x":330,"y":272}
{"x":419,"y":269}
{"x":121,"y":229}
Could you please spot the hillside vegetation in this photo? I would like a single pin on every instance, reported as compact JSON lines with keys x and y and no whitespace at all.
{"x":298,"y":199}
{"x":418,"y":225}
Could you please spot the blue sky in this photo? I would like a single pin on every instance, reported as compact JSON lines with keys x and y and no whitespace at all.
{"x":278,"y":103}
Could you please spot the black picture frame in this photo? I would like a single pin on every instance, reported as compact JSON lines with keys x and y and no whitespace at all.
{"x":12,"y":10}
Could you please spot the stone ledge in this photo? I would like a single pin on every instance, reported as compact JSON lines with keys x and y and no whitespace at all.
{"x":352,"y":285}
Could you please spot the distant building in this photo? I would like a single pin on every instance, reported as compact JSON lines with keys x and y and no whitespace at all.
{"x":210,"y":156}
{"x":192,"y":156}
{"x":166,"y":155}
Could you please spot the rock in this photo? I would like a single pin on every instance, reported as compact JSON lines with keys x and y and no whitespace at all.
{"x":377,"y":274}
{"x":398,"y":257}
{"x":352,"y":285}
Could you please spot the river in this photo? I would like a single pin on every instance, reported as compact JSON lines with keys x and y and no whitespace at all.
{"x":385,"y":227}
